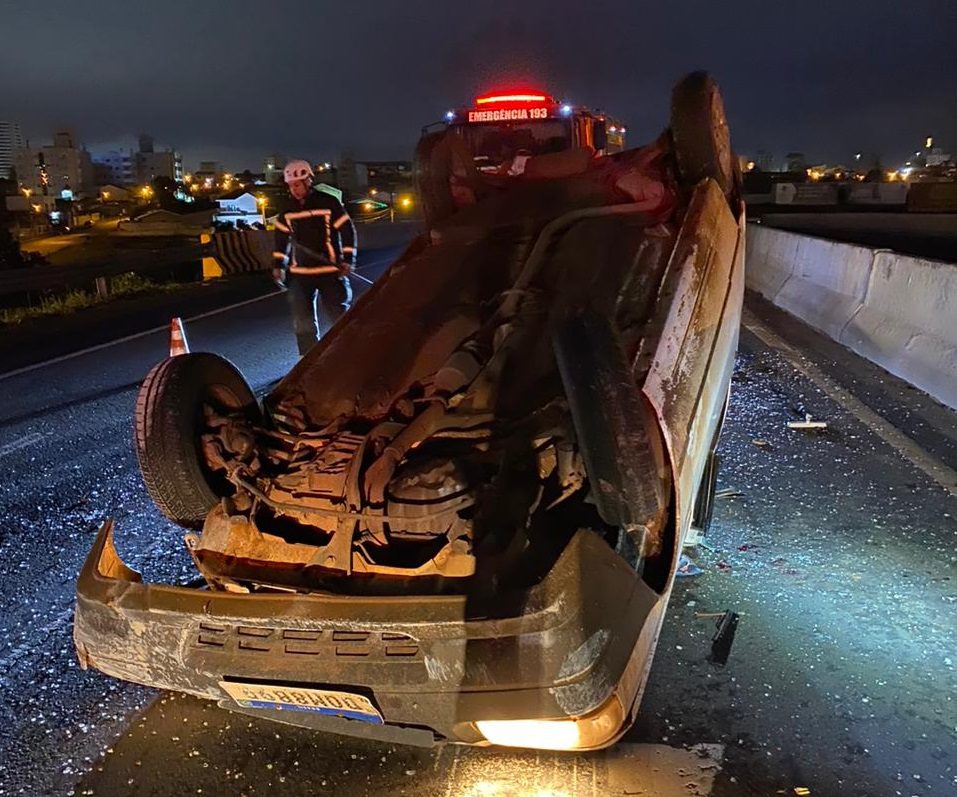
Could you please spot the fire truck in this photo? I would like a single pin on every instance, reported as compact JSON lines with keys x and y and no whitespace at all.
{"x":500,"y":127}
{"x":483,"y":147}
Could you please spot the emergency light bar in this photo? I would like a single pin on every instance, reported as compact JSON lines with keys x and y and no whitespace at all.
{"x":503,"y":98}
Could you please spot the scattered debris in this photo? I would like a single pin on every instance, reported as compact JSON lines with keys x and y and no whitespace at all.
{"x":728,"y":492}
{"x":724,"y":566}
{"x":693,"y":538}
{"x":748,"y":546}
{"x":687,"y":568}
{"x":802,"y":791}
{"x":807,"y":423}
{"x":723,"y":638}
{"x":760,"y":442}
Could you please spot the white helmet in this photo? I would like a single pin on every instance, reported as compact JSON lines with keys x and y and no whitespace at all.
{"x":297,"y":170}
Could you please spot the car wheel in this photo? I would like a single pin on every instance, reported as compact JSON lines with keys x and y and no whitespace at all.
{"x":169,"y":420}
{"x":699,"y":130}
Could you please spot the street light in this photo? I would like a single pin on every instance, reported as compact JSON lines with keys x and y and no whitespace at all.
{"x":27,"y":191}
{"x":262,"y":202}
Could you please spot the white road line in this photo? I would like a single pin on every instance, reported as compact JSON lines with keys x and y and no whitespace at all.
{"x":921,"y":459}
{"x":20,"y":442}
{"x":217,"y":311}
{"x":134,"y":336}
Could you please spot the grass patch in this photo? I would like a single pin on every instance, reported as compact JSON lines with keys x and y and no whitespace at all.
{"x":120,"y":287}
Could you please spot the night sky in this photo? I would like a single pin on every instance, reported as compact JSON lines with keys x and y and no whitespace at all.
{"x":235,"y":81}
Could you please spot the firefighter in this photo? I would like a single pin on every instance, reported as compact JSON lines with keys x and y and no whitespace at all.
{"x":315,"y":251}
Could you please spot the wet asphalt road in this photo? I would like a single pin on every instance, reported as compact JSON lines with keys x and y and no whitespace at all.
{"x":837,"y":551}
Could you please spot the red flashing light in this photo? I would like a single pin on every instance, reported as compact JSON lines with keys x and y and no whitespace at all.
{"x":496,"y":99}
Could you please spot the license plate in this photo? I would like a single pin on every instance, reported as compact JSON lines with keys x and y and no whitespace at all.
{"x":297,"y":698}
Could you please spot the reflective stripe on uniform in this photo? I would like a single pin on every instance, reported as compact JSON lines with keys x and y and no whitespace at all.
{"x":314,"y":269}
{"x":281,"y":227}
{"x":303,"y":214}
{"x":278,"y":256}
{"x":341,"y":220}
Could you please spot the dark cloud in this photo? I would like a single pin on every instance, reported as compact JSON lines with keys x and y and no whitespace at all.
{"x":237,"y":80}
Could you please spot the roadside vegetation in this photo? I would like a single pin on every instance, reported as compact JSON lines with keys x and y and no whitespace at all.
{"x":120,"y":287}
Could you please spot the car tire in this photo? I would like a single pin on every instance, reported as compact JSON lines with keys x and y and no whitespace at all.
{"x":167,"y":426}
{"x":699,"y":131}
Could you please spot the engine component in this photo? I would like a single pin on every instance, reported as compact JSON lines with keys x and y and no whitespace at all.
{"x":422,"y":489}
{"x":321,"y":493}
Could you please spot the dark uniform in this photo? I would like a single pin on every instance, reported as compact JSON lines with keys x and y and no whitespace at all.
{"x":311,"y":236}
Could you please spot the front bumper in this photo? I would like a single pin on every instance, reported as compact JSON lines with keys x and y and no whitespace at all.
{"x":577,"y":642}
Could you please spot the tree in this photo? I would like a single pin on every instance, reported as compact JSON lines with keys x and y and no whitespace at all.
{"x":9,"y":247}
{"x":164,"y":189}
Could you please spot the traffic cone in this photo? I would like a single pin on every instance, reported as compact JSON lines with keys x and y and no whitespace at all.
{"x":177,"y":338}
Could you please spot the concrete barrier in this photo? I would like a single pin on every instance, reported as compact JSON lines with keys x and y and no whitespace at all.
{"x":907,"y":322}
{"x":825,"y":296}
{"x":877,"y":194}
{"x":932,"y":198}
{"x":899,"y":312}
{"x":776,"y":256}
{"x":805,"y":193}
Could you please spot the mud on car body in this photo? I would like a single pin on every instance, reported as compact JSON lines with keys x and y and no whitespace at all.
{"x":458,"y":518}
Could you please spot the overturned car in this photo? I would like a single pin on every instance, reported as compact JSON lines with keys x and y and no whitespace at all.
{"x":457,"y":519}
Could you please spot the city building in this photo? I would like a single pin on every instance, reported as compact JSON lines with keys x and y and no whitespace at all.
{"x":272,"y":169}
{"x":59,"y":170}
{"x":116,"y":167}
{"x":151,"y":163}
{"x":795,"y":162}
{"x":11,"y":139}
{"x":764,"y":161}
{"x":933,"y":156}
{"x":209,"y":174}
{"x":115,"y":193}
{"x":238,"y":208}
{"x":347,"y":175}
{"x":388,"y":176}
{"x":127,"y":168}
